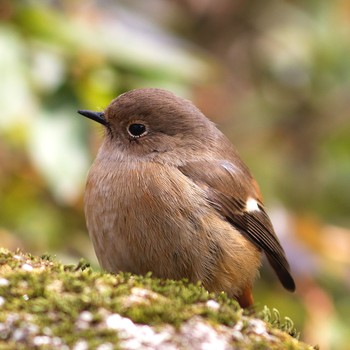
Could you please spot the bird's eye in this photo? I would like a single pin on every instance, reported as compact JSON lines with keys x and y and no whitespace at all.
{"x":137,"y":130}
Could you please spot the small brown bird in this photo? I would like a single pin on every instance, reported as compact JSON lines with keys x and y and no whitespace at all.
{"x":168,"y":193}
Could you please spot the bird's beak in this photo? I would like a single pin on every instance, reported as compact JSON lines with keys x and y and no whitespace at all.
{"x":98,"y":117}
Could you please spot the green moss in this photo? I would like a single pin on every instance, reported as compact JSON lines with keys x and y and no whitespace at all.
{"x":42,"y":301}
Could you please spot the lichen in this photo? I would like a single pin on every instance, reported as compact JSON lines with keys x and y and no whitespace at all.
{"x":47,"y":305}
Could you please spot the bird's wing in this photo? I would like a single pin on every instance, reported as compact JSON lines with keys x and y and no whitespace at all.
{"x":234,"y":194}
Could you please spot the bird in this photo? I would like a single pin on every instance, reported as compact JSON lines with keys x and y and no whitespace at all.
{"x":169,"y":194}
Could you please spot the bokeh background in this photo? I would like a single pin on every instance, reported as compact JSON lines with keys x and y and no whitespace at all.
{"x":275,"y":77}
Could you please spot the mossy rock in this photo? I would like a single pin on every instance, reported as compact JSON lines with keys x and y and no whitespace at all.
{"x":47,"y":305}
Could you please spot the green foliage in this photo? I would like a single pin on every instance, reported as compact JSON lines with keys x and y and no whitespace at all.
{"x":273,"y":317}
{"x":41,"y":297}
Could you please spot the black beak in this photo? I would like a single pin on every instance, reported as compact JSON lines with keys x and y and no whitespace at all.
{"x":98,"y":117}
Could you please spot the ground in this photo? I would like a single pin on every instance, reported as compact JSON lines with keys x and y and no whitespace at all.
{"x":47,"y":305}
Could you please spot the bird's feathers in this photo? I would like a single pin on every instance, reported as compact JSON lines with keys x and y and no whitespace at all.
{"x":231,"y":190}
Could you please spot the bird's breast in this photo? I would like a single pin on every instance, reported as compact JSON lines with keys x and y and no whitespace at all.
{"x":140,"y":214}
{"x":145,"y":216}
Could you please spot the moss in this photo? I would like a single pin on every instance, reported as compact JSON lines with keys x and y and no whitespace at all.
{"x":45,"y":304}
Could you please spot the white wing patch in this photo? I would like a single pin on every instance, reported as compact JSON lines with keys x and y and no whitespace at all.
{"x":252,"y":205}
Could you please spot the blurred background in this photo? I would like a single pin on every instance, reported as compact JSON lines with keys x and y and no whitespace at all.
{"x":274,"y":76}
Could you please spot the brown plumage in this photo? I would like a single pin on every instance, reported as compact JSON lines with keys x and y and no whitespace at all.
{"x":168,"y":193}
